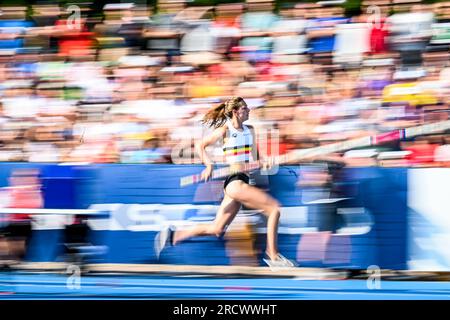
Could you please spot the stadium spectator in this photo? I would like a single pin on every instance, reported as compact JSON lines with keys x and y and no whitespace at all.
{"x":24,"y":191}
{"x":152,"y":67}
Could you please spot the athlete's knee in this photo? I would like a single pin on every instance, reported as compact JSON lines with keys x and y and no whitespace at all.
{"x":273,"y":208}
{"x":275,"y":212}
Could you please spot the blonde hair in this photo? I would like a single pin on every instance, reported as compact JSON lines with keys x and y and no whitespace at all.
{"x":217,"y":116}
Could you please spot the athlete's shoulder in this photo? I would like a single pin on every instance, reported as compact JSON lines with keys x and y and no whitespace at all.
{"x":250,"y":128}
{"x":221,"y":130}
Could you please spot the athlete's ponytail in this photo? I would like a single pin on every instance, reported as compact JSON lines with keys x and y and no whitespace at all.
{"x":217,"y":116}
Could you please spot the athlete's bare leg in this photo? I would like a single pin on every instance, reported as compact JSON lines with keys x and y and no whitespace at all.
{"x":255,"y":198}
{"x":225,"y":215}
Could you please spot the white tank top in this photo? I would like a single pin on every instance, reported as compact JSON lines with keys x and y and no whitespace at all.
{"x":238,"y":145}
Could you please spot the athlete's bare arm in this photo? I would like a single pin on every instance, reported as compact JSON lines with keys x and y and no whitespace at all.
{"x":264,"y":160}
{"x":200,"y":147}
{"x":255,"y":152}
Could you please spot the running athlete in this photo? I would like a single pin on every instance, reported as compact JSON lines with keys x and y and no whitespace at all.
{"x":239,"y":148}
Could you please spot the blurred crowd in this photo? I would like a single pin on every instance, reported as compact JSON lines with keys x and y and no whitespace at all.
{"x":130,"y":85}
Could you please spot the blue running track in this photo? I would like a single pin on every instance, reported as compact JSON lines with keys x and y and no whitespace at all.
{"x":15,"y":285}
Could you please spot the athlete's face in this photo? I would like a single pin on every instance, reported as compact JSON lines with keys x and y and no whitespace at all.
{"x":243,"y":112}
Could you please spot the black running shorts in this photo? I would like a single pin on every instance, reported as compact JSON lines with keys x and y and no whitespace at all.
{"x":236,"y":176}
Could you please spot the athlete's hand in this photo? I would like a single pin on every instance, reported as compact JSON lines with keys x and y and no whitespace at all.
{"x":267,"y":163}
{"x":206,"y":174}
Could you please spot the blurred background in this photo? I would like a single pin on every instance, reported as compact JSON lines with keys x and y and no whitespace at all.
{"x":100,"y":105}
{"x":128,"y":82}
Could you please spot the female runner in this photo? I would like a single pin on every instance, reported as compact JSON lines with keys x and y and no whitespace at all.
{"x":239,"y":148}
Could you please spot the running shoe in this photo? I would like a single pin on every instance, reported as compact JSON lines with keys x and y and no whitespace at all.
{"x":280,"y":262}
{"x":162,"y":240}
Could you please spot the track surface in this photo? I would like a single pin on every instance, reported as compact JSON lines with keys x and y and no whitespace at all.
{"x":16,"y":285}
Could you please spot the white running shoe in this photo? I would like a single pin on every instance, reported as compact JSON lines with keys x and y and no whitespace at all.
{"x":162,"y":240}
{"x":280,"y":262}
{"x":291,"y":263}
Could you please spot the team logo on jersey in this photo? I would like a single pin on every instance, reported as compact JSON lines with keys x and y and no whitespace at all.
{"x":234,"y":135}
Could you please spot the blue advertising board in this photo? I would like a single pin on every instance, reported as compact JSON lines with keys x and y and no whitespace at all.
{"x":366,"y":226}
